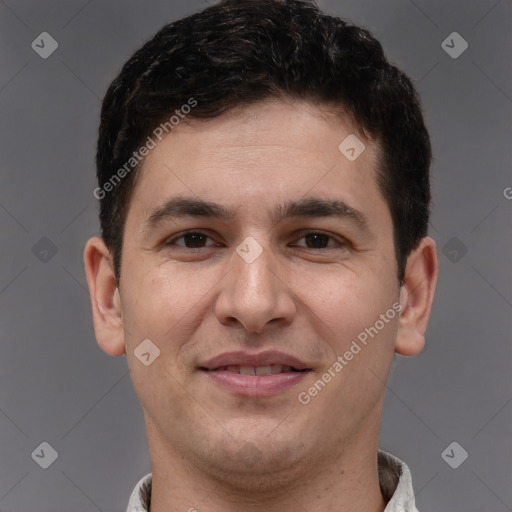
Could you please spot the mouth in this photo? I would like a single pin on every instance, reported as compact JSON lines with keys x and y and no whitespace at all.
{"x":273,"y":369}
{"x":255,"y":375}
{"x":263,"y":363}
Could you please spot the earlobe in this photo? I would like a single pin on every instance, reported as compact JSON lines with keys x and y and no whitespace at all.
{"x":105,"y":300}
{"x":416,"y":297}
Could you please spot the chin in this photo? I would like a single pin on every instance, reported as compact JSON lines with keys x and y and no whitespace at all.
{"x":252,"y":465}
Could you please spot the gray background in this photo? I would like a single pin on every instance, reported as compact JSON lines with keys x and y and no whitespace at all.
{"x":57,"y":386}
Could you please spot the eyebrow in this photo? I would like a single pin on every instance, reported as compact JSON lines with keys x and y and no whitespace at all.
{"x":178,"y":207}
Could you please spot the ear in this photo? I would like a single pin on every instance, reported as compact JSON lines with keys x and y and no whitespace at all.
{"x":416,"y":296}
{"x":105,"y":300}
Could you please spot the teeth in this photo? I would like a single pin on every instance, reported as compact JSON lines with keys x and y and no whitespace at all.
{"x":264,"y":370}
{"x":260,"y":370}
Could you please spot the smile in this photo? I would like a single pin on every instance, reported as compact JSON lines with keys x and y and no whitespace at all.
{"x":258,"y":370}
{"x":255,"y":382}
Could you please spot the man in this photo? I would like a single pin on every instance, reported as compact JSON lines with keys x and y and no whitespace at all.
{"x":263,"y":176}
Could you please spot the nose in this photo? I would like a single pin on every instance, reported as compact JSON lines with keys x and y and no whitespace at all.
{"x":255,"y":294}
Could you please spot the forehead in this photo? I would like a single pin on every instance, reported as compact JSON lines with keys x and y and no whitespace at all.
{"x":268,"y":153}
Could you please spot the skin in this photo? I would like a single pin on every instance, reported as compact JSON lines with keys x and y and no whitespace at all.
{"x":212,"y":450}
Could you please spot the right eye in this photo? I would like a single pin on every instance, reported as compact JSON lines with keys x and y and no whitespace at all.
{"x":191,"y":240}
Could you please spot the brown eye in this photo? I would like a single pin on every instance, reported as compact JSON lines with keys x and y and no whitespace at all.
{"x":191,"y":240}
{"x":317,"y":240}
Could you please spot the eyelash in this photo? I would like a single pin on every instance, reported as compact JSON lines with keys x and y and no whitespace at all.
{"x":171,"y":242}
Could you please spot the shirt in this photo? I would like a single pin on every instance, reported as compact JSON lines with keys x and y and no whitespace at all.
{"x":394,"y":478}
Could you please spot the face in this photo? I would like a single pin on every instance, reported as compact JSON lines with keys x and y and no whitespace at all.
{"x":274,"y":306}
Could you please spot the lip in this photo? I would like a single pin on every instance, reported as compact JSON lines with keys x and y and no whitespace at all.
{"x":254,"y":385}
{"x":267,"y":358}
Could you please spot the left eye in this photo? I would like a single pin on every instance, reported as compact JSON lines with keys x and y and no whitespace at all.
{"x":316,"y":240}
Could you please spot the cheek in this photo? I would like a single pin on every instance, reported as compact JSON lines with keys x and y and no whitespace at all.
{"x":344,"y":302}
{"x":159,"y":305}
{"x":161,"y":301}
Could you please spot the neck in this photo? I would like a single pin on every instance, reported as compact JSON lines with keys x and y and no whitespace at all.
{"x":348,"y":481}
